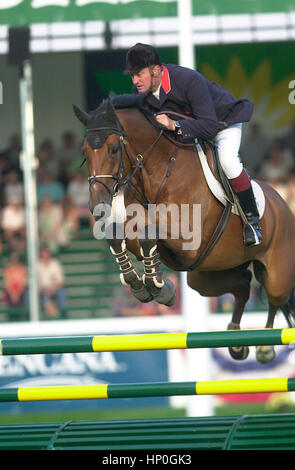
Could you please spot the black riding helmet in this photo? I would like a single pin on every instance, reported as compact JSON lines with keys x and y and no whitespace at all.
{"x":141,"y":56}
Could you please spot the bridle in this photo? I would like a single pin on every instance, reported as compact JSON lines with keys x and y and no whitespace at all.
{"x":118,"y":176}
{"x":120,"y":179}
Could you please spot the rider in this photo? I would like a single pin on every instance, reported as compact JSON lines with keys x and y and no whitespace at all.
{"x":217,"y":116}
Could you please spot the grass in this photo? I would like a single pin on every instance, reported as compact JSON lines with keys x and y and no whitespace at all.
{"x":139,"y":413}
{"x":253,"y":409}
{"x":91,"y":415}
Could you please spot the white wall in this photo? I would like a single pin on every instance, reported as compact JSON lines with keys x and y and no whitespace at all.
{"x":58,"y":82}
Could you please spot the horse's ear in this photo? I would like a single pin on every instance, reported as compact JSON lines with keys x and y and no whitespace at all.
{"x":81,"y":115}
{"x":111,"y":113}
{"x":110,"y":110}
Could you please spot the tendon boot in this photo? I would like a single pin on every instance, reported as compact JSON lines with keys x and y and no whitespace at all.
{"x":252,"y":230}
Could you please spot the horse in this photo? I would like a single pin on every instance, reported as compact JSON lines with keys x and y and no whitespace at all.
{"x":133,"y":161}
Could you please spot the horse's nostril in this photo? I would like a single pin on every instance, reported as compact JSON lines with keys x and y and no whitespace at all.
{"x":102,"y":210}
{"x":90,"y":207}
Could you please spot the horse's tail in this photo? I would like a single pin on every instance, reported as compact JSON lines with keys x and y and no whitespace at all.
{"x":289,"y":309}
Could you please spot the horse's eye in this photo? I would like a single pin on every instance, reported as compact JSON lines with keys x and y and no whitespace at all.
{"x":114,"y":149}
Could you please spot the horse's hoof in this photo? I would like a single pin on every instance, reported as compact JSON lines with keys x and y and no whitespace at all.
{"x":166,"y":295}
{"x":265,"y":354}
{"x":239,"y":353}
{"x":142,"y":294}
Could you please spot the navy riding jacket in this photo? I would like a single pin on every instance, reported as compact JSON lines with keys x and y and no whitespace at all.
{"x":188,"y":92}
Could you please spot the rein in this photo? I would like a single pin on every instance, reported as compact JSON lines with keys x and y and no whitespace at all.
{"x":138,"y":165}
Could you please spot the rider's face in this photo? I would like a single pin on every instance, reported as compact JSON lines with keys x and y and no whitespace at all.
{"x":145,"y":81}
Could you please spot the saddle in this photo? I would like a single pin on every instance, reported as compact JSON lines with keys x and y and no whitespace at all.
{"x":219,"y":185}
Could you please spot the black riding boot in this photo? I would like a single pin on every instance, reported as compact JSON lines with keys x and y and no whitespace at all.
{"x":251,"y":232}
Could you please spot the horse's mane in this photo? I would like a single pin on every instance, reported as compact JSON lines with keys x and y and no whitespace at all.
{"x":134,"y":100}
{"x":103,"y":114}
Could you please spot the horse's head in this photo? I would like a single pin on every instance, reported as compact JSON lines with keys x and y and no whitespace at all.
{"x":103,"y":149}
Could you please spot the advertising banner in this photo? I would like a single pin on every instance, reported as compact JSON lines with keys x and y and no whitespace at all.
{"x":82,"y":369}
{"x":25,"y":12}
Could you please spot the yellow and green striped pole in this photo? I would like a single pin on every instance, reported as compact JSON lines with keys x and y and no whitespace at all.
{"x":82,"y":392}
{"x":137,"y":342}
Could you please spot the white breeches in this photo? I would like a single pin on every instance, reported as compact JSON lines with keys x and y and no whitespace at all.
{"x":228,"y":143}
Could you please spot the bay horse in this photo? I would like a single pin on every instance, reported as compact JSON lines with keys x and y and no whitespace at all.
{"x":128,"y":154}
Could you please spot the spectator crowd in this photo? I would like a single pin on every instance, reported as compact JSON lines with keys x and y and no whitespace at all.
{"x":62,"y":198}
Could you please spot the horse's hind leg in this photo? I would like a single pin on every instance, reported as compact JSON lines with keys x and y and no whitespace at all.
{"x":241,"y":293}
{"x":235,"y":281}
{"x":278,"y":283}
{"x":266,"y":354}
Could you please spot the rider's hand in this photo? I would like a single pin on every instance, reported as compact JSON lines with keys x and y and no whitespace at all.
{"x":165,"y":121}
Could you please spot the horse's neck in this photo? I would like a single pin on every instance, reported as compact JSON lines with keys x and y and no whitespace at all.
{"x":154,"y":153}
{"x":185,"y":182}
{"x":147,"y":178}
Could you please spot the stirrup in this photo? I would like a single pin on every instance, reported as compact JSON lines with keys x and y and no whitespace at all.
{"x":251,"y":230}
{"x":252,"y":234}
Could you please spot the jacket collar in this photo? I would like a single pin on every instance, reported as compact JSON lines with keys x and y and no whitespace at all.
{"x":165,"y":85}
{"x":164,"y":90}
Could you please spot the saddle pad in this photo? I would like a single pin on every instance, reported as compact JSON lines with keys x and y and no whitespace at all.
{"x":217,"y":189}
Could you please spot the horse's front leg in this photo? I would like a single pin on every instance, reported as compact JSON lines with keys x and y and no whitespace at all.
{"x":129,"y":275}
{"x":241,"y":292}
{"x":162,"y":290}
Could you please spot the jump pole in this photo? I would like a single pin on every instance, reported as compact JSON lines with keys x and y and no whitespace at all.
{"x":157,"y":341}
{"x":77,"y":392}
